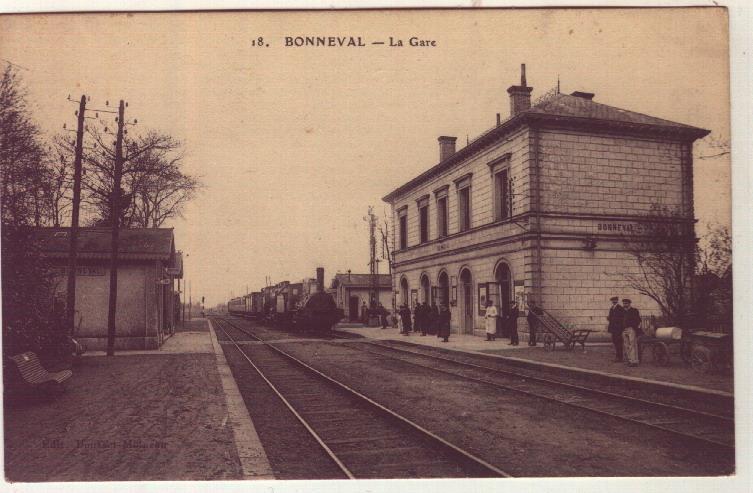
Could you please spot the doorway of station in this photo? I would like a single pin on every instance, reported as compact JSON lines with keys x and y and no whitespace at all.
{"x":404,"y":293}
{"x":425,"y":290}
{"x":504,"y":286}
{"x":353,"y":309}
{"x":442,"y":294}
{"x":466,"y":301}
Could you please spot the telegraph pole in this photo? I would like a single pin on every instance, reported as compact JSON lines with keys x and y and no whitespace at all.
{"x":374,"y":288}
{"x":70,"y":314}
{"x":115,"y":199}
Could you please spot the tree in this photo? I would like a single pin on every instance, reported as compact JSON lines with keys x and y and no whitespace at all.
{"x":30,"y":314}
{"x":714,"y":146}
{"x":22,"y":155}
{"x":714,"y":278}
{"x":664,"y":252}
{"x":154,"y":188}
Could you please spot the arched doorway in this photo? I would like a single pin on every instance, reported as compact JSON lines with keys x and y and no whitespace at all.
{"x":443,"y":289}
{"x":404,"y":292}
{"x":425,"y":289}
{"x":466,"y":301}
{"x":503,"y":276}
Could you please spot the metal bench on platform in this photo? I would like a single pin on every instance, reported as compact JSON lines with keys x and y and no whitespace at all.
{"x":34,"y":374}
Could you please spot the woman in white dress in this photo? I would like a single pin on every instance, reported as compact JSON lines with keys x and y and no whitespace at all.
{"x":491,"y":321}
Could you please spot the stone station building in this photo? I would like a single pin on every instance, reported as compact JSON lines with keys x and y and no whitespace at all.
{"x":538,"y":208}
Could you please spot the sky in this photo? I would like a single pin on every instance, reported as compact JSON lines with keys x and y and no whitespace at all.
{"x":293,"y":144}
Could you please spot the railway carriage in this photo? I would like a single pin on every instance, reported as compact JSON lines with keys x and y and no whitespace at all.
{"x":303,"y":306}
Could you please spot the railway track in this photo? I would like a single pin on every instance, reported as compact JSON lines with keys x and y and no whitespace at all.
{"x":362,"y":437}
{"x":702,"y":428}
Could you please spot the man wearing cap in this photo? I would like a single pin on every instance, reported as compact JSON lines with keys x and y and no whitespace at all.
{"x":632,"y":329}
{"x":616,"y":314}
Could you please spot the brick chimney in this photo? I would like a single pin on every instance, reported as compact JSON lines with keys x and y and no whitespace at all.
{"x":446,"y":147}
{"x":320,"y":279}
{"x":520,"y":96}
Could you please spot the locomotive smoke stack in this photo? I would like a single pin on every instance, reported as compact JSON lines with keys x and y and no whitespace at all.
{"x":320,"y":279}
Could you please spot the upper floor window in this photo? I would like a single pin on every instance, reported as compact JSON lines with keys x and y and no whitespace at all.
{"x":442,"y":212}
{"x":423,"y":219}
{"x":502,"y":195}
{"x":500,"y":169}
{"x":463,"y":185}
{"x":402,"y":215}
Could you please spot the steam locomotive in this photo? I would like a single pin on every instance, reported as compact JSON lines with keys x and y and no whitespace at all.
{"x":302,"y":306}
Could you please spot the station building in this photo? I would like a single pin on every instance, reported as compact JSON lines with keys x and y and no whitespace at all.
{"x":147,"y":301}
{"x":538,"y":208}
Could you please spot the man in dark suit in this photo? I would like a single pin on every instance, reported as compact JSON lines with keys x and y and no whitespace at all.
{"x":631,"y":332}
{"x":615,"y":318}
{"x":533,"y":311}
{"x":512,"y":322}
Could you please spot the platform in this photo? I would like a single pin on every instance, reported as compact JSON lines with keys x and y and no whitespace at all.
{"x":596,"y":360}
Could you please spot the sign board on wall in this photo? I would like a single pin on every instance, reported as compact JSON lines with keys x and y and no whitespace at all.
{"x":82,"y":270}
{"x":483,"y":292}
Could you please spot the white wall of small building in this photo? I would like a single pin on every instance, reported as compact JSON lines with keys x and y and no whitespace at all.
{"x":139,"y":310}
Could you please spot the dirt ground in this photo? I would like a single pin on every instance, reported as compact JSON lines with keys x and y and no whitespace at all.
{"x":601,"y":358}
{"x":512,"y":431}
{"x":134,"y":417}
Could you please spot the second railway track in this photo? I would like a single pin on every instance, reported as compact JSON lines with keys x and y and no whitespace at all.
{"x":364,"y":438}
{"x":707,"y":429}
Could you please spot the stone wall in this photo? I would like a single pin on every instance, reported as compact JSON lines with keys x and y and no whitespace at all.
{"x":588,"y":173}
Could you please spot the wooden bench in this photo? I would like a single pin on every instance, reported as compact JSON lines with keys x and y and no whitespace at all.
{"x":35,"y":374}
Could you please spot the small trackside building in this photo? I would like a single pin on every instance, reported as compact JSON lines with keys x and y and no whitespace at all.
{"x":352,"y":292}
{"x":147,"y":301}
{"x":537,"y":208}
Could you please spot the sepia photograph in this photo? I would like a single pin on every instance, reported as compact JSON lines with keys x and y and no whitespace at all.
{"x":380,"y":244}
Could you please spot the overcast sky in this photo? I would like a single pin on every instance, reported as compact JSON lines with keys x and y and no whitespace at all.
{"x":293,"y":144}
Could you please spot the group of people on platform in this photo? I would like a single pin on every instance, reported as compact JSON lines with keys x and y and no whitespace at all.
{"x":625,"y":327}
{"x":425,"y":318}
{"x":624,"y":324}
{"x":505,"y":323}
{"x":435,"y":319}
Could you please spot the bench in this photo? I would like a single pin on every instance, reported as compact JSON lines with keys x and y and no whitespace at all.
{"x":34,"y":373}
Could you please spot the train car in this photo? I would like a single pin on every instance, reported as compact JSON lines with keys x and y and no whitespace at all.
{"x":256,"y":305}
{"x":303,"y":306}
{"x":236,"y":306}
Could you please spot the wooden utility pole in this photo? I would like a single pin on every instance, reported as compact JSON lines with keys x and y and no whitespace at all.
{"x":115,"y":200}
{"x":70,"y":314}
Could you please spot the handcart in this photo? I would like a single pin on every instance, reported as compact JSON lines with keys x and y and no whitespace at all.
{"x":709,"y":351}
{"x":661,"y":343}
{"x":554,"y":332}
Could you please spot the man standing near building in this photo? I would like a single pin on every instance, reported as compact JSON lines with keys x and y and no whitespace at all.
{"x":405,"y":316}
{"x":512,"y":323}
{"x":443,"y":321}
{"x":422,"y":315}
{"x":533,"y":313}
{"x":417,"y":317}
{"x":631,"y":332}
{"x":615,"y":319}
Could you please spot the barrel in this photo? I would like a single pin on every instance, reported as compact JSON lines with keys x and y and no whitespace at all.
{"x":668,"y":333}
